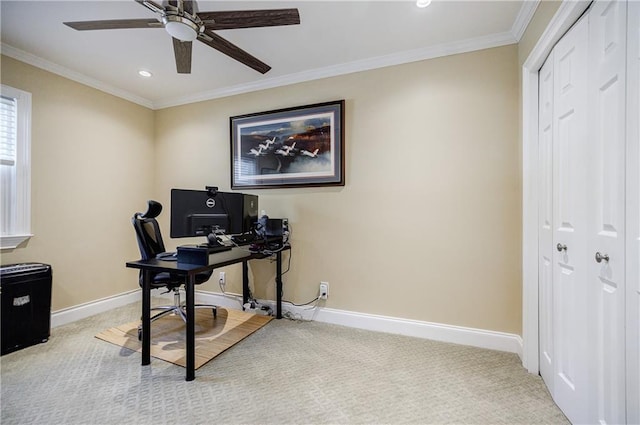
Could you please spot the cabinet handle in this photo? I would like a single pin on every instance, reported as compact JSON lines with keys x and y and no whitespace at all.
{"x":600,"y":257}
{"x":561,"y":247}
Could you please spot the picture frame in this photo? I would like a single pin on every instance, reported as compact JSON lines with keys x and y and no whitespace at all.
{"x":294,"y":147}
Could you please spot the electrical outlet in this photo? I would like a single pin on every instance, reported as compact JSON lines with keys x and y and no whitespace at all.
{"x":223,"y":278}
{"x":324,"y":290}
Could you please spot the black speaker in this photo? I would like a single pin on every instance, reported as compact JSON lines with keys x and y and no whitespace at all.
{"x":274,"y":227}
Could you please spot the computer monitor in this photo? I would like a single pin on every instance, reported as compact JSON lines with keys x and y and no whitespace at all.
{"x":205,"y":212}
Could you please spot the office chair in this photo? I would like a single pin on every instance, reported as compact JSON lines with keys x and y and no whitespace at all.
{"x":151,"y":246}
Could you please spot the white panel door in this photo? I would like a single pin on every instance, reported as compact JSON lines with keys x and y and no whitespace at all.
{"x":633,"y":213}
{"x":570,"y":316}
{"x":606,"y":211}
{"x":545,"y":224}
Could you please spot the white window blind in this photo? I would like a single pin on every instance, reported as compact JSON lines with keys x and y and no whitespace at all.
{"x":15,"y":166}
{"x":8,"y":130}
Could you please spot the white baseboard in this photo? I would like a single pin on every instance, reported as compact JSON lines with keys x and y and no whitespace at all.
{"x":435,"y":331}
{"x":482,"y":338}
{"x":71,"y":314}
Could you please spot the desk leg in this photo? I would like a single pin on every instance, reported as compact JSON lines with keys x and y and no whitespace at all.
{"x":146,"y":317}
{"x":279,"y":285}
{"x":191,"y":327}
{"x":245,"y":282}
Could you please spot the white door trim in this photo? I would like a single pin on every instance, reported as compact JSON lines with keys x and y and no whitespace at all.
{"x":567,"y":14}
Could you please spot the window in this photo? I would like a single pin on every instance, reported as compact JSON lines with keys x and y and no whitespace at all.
{"x":15,"y":166}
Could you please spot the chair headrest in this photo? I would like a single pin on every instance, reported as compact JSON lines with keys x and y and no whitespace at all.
{"x":153,"y":210}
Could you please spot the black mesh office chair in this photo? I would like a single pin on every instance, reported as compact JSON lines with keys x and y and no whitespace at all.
{"x":151,"y":246}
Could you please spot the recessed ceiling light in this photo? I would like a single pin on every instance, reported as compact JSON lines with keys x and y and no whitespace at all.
{"x":144,"y":73}
{"x":423,"y":3}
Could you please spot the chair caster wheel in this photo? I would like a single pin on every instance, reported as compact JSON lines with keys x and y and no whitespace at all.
{"x":139,"y":333}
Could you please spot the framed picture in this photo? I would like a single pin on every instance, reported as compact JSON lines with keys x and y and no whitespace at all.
{"x":302,"y":146}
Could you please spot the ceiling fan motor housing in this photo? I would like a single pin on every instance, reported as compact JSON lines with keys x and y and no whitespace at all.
{"x":181,"y":25}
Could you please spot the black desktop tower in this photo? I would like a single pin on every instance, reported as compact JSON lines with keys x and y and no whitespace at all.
{"x":246,"y":203}
{"x":26,"y":305}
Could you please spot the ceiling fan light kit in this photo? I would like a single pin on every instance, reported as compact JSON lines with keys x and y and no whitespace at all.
{"x":184,"y":25}
{"x":181,"y":28}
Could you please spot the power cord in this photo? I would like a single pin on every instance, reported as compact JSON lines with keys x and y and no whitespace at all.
{"x":235,"y":297}
{"x":286,"y":236}
{"x":271,"y":252}
{"x":304,"y":304}
{"x":297,"y":317}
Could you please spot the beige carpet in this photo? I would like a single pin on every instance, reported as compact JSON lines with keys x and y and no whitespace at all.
{"x":168,"y":334}
{"x":288,"y":372}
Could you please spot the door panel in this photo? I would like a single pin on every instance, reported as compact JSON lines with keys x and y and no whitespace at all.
{"x":590,"y":336}
{"x":606,"y":279}
{"x":633,"y":214}
{"x":545,"y":216}
{"x":570,"y":223}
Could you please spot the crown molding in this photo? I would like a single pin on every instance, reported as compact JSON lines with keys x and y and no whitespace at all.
{"x":78,"y":77}
{"x":525,"y":15}
{"x":446,"y":49}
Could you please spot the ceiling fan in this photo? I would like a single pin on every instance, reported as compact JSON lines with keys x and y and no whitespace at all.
{"x":185,"y":25}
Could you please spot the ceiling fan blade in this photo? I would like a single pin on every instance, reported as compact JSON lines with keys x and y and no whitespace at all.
{"x":224,"y":20}
{"x":182,"y":52}
{"x":187,"y":5}
{"x":114,"y":24}
{"x":213,"y":40}
{"x":151,"y":5}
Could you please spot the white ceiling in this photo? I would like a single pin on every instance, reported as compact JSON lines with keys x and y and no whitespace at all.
{"x":333,"y":38}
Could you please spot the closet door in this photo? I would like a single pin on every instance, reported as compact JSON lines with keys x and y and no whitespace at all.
{"x":545,"y":224}
{"x":570,"y":136}
{"x":633,"y":214}
{"x":606,"y":211}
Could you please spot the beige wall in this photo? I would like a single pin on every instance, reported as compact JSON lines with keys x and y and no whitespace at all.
{"x":92,"y":167}
{"x":426,"y":228}
{"x":428,"y":224}
{"x":545,"y":11}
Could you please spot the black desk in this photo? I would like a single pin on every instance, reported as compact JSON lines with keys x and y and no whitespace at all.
{"x":189,"y":271}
